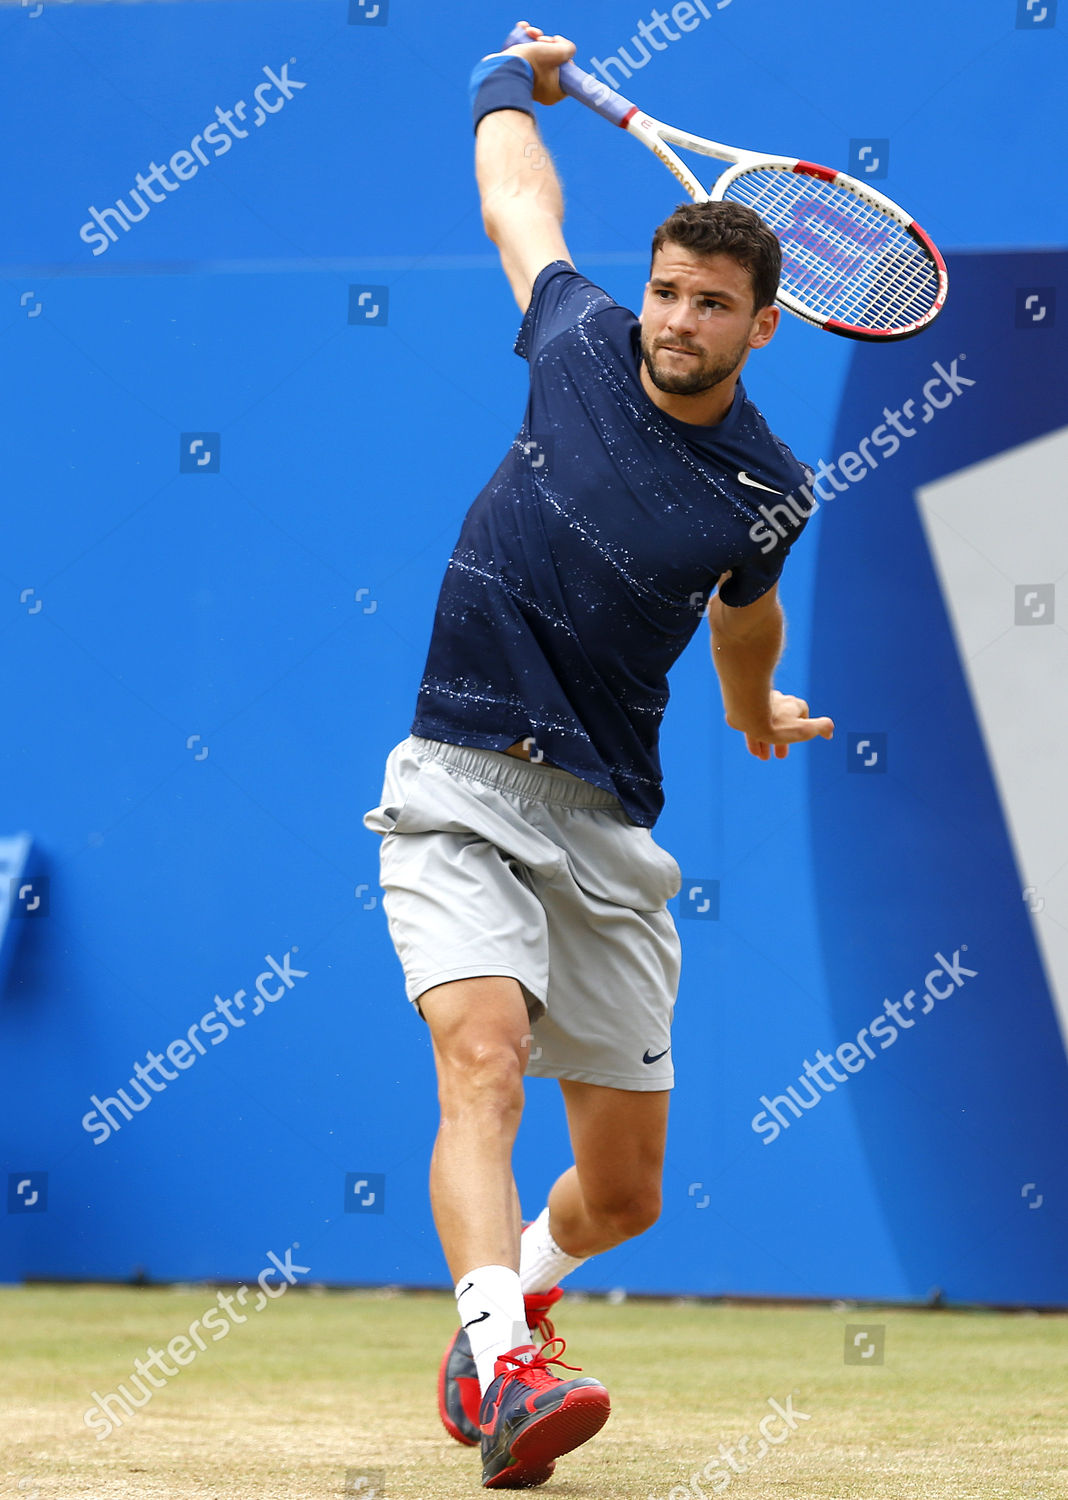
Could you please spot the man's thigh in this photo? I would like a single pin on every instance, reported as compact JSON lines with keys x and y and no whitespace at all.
{"x":614,"y":956}
{"x":613,"y":979}
{"x":618,"y":1138}
{"x":473,"y":1017}
{"x":458,"y":909}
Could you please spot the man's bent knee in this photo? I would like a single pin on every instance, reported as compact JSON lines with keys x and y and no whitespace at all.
{"x":480,"y":1033}
{"x":480,"y":1075}
{"x":625,"y":1218}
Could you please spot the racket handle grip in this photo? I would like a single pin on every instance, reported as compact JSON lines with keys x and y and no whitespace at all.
{"x":580,"y":85}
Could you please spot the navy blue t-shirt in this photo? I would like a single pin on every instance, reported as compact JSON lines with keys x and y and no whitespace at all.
{"x":583,"y":567}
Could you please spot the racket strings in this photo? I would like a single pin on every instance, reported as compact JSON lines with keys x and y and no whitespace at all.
{"x":842,"y":256}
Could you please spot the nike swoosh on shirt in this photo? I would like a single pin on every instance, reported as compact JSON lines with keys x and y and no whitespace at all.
{"x":659,"y":1055}
{"x":755,"y":484}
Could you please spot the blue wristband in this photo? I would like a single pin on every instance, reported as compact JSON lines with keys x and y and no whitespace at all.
{"x":501,"y":82}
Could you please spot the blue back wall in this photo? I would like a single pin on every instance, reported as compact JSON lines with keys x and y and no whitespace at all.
{"x":203,"y":671}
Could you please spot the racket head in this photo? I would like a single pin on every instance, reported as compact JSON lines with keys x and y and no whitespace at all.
{"x":853,"y":262}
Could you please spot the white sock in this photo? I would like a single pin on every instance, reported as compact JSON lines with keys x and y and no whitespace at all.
{"x":490,"y":1304}
{"x":541,"y":1261}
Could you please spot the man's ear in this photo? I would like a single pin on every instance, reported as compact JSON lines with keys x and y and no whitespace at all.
{"x":765,"y":323}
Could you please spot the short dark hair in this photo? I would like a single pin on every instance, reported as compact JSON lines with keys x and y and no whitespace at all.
{"x":727,"y":229}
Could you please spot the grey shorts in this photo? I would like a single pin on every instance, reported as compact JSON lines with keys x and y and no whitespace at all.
{"x":495,"y":865}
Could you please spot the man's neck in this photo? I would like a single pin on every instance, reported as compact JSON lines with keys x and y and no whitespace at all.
{"x":705,"y":409}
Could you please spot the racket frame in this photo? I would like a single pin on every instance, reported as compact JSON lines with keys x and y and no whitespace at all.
{"x":661,"y":138}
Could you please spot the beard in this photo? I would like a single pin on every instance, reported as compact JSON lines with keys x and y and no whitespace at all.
{"x":697,"y":375}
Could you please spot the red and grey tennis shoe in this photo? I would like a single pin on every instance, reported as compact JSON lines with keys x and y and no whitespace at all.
{"x":529,"y":1417}
{"x":459,"y":1397}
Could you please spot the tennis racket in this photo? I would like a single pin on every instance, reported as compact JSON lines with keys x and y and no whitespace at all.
{"x":853,"y":262}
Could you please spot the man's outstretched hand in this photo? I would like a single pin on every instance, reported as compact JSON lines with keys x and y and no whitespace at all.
{"x":788,"y":723}
{"x":545,"y":55}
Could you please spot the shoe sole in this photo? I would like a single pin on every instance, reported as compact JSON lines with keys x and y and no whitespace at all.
{"x":579,"y":1417}
{"x":446,"y":1421}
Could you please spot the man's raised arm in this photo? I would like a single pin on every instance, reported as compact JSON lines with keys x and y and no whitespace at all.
{"x":522,"y":205}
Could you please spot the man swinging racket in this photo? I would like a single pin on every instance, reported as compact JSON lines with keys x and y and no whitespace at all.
{"x":525,"y":894}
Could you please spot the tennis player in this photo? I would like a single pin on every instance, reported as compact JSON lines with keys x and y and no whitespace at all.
{"x":524,"y":892}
